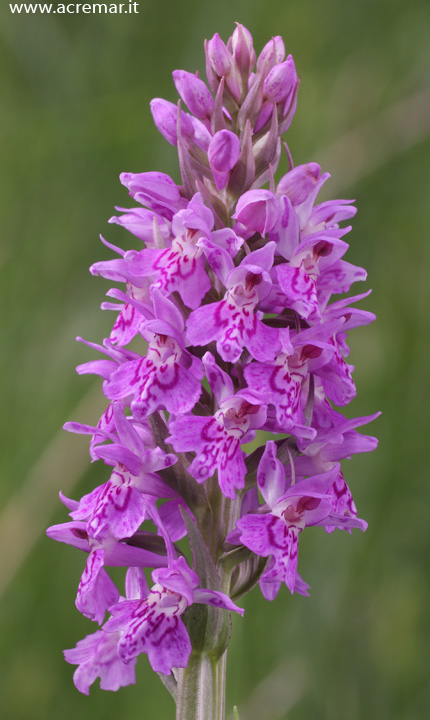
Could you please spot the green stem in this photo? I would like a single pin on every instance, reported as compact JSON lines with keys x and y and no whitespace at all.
{"x":201,"y":688}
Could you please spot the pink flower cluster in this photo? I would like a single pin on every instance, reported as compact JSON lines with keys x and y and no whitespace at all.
{"x":228,"y":303}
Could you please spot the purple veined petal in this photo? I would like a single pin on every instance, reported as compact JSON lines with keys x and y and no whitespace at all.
{"x":343,"y":522}
{"x":337,"y":379}
{"x":318,"y":335}
{"x":147,"y":626}
{"x":196,"y":216}
{"x":128,"y":436}
{"x":262,"y":341}
{"x":264,"y":534}
{"x":117,"y":554}
{"x":96,"y":591}
{"x":305,"y":510}
{"x":140,"y":222}
{"x":343,"y":502}
{"x":248,"y":284}
{"x":82,"y":429}
{"x":216,"y":448}
{"x":171,"y":387}
{"x":137,"y":297}
{"x":269,"y":588}
{"x":221,"y":383}
{"x":331,"y":213}
{"x":136,"y":587}
{"x":301,"y":586}
{"x":105,"y":425}
{"x":231,"y":468}
{"x":151,"y":484}
{"x":178,"y":567}
{"x":111,"y":246}
{"x":155,"y":327}
{"x":299,"y":290}
{"x":286,"y":231}
{"x":341,"y":304}
{"x":159,"y":379}
{"x":117,"y":354}
{"x":227,"y":239}
{"x":194,"y":93}
{"x":233,"y":321}
{"x":352,"y":443}
{"x":172,"y":519}
{"x":261,"y":259}
{"x":122,"y":554}
{"x":271,"y":475}
{"x":203,"y":324}
{"x":352,"y":316}
{"x":122,"y":612}
{"x":127,"y":325}
{"x":104,"y":368}
{"x":218,"y":258}
{"x":250,"y":501}
{"x":217,"y":599}
{"x":118,"y":454}
{"x":340,"y":276}
{"x":97,"y":657}
{"x":165,"y":641}
{"x":71,"y":533}
{"x":316,"y":486}
{"x":343,"y":425}
{"x":181,"y":268}
{"x":324,"y":248}
{"x":87,"y":504}
{"x":178,"y":578}
{"x":120,"y":509}
{"x":186,"y":433}
{"x":128,"y":270}
{"x":68,"y":502}
{"x":285,"y":560}
{"x":167,"y":310}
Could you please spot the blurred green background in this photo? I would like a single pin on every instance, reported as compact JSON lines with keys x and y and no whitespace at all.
{"x":74,"y":114}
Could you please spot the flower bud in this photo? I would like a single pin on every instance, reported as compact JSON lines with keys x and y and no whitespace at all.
{"x":219,"y":56}
{"x":243,"y":49}
{"x":299,"y":183}
{"x":272,"y":53}
{"x":264,"y":116}
{"x":224,"y":151}
{"x":257,"y":211}
{"x":280,"y":81}
{"x":165,"y":116}
{"x":220,"y":60}
{"x":157,"y":185}
{"x":194,"y":93}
